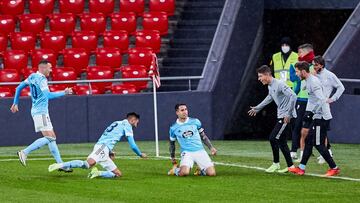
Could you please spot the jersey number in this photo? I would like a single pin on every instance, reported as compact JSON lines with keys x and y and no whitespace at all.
{"x":111,"y":128}
{"x":34,"y":92}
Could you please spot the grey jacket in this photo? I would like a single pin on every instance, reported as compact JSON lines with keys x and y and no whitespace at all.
{"x":317,"y":99}
{"x":330,"y":82}
{"x":284,"y":98}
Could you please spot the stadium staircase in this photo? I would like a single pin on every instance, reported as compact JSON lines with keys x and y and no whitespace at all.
{"x":190,"y":44}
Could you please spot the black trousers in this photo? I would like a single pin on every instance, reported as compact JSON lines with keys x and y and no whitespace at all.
{"x":278,"y":140}
{"x":316,"y":137}
{"x":298,"y":123}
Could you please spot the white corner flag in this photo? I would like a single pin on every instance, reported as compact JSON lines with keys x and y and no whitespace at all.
{"x":155,"y":76}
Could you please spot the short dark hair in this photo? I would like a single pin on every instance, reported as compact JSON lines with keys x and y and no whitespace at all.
{"x":178,"y":105}
{"x":133,"y":114}
{"x":264,"y":69}
{"x":306,"y":46}
{"x":319,"y":60}
{"x":44,"y":62}
{"x":303,"y":65}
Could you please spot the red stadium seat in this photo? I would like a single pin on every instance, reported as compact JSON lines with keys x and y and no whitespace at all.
{"x":7,"y":24}
{"x":22,"y":41}
{"x":156,"y":21}
{"x":148,"y":38}
{"x":100,"y":72}
{"x":25,"y":92}
{"x":85,"y":90}
{"x":85,"y":39}
{"x":43,"y":7}
{"x":102,"y":6}
{"x":136,"y":6}
{"x":135,"y":71}
{"x":12,"y":7}
{"x":109,"y":57}
{"x":34,"y":23}
{"x":6,"y":92}
{"x":167,"y":6}
{"x":28,"y":71}
{"x":54,"y":40}
{"x":71,"y":6}
{"x":3,"y":43}
{"x":15,"y":59}
{"x":40,"y":54}
{"x":64,"y":73}
{"x":64,"y":22}
{"x":140,"y":56}
{"x":123,"y":89}
{"x":93,"y":22}
{"x":124,"y":21}
{"x":77,"y":58}
{"x":117,"y":39}
{"x":56,"y":88}
{"x":9,"y":75}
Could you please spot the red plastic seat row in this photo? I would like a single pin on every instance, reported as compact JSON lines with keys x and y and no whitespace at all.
{"x":16,"y":7}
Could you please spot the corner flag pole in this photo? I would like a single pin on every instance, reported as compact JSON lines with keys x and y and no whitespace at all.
{"x":155,"y":118}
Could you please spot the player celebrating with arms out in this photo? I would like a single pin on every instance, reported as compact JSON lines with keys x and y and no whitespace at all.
{"x":189,"y":133}
{"x":102,"y":152}
{"x":285,"y":100}
{"x":40,"y":96}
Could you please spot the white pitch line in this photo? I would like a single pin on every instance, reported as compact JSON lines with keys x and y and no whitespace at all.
{"x":216,"y":163}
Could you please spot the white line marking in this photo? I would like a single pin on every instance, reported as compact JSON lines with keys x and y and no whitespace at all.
{"x":163,"y":157}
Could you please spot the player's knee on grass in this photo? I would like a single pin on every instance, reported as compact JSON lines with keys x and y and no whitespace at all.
{"x":210,"y":171}
{"x":117,"y":173}
{"x":91,"y":162}
{"x":184,"y":171}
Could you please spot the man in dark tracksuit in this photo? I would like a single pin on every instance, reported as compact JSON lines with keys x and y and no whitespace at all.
{"x":321,"y":118}
{"x":285,"y":100}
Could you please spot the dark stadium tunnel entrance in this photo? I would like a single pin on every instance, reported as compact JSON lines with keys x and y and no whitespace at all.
{"x":316,"y":26}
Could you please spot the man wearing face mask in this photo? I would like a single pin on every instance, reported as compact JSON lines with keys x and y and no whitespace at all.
{"x":282,"y":60}
{"x":303,"y":121}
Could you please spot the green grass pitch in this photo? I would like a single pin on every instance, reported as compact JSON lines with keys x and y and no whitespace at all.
{"x":146,"y":180}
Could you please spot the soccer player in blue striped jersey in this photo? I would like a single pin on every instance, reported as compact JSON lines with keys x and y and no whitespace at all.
{"x":190,"y":135}
{"x":40,"y":96}
{"x":102,"y":152}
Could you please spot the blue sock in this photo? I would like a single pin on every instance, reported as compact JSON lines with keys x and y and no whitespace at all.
{"x":107,"y":174}
{"x":302,"y":166}
{"x":37,"y":144}
{"x":76,"y":164}
{"x":177,"y":170}
{"x":55,"y":150}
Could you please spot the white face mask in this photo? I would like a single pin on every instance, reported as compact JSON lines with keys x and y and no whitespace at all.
{"x":285,"y":49}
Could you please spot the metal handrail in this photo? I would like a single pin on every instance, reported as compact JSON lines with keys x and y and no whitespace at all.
{"x":114,"y":80}
{"x":349,"y":80}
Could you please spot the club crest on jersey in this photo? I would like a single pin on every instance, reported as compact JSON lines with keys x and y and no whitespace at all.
{"x":188,"y":134}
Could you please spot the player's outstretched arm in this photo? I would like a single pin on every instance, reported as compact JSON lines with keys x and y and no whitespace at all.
{"x":14,"y":108}
{"x":134,"y":147}
{"x":54,"y":95}
{"x":207,"y":141}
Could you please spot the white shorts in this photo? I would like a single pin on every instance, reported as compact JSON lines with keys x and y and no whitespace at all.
{"x":42,"y":122}
{"x":100,"y":154}
{"x":201,"y":158}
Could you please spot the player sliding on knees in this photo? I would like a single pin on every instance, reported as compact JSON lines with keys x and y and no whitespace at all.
{"x":40,"y":96}
{"x":102,"y":153}
{"x":189,"y":133}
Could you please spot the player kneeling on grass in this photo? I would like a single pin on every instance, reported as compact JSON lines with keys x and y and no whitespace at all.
{"x":102,"y":152}
{"x":189,"y":134}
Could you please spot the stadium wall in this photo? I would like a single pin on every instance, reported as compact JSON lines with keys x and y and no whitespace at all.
{"x":79,"y":119}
